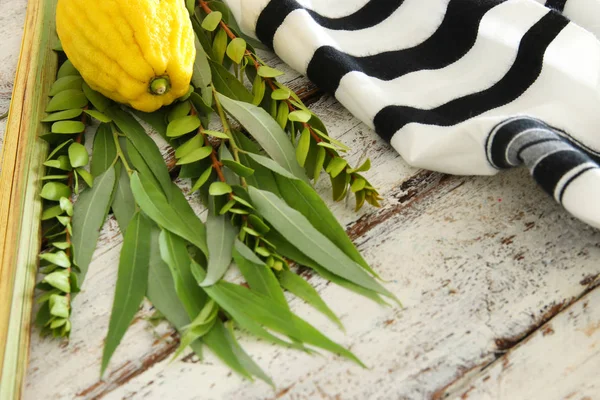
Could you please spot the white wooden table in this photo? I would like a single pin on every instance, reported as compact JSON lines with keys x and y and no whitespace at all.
{"x":497,"y":282}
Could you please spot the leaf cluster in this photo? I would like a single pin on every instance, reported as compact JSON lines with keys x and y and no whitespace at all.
{"x":250,"y":148}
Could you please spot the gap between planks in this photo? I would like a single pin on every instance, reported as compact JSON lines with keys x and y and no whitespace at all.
{"x":572,"y":336}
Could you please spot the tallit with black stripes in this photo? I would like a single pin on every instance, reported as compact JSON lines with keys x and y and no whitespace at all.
{"x":465,"y":87}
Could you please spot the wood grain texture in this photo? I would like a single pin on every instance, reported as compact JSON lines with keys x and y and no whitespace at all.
{"x":479,"y":263}
{"x":572,"y":337}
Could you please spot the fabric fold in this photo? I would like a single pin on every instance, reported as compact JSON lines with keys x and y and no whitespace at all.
{"x":458,"y":86}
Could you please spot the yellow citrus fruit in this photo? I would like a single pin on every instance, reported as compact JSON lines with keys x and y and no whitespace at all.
{"x":137,"y":52}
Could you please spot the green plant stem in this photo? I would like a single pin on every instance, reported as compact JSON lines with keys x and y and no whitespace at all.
{"x":120,"y":154}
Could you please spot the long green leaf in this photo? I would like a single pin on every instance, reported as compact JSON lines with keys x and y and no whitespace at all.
{"x":228,"y":84}
{"x":157,"y":120}
{"x":263,"y":310}
{"x":132,"y":281}
{"x":236,"y":310}
{"x":161,"y":291}
{"x":104,"y":151}
{"x":202,"y":76}
{"x":267,"y":133}
{"x":248,"y":363}
{"x":259,"y":276}
{"x":89,"y":214}
{"x":299,"y":287}
{"x":163,"y":294}
{"x":218,"y":342}
{"x":174,"y":253}
{"x":183,"y":208}
{"x":144,"y":145}
{"x":123,"y":204}
{"x":262,"y":178}
{"x":178,"y":294}
{"x":303,"y":197}
{"x":154,"y":203}
{"x":286,"y":249}
{"x":295,"y":227}
{"x":199,"y":327}
{"x":137,"y":162}
{"x":220,"y":247}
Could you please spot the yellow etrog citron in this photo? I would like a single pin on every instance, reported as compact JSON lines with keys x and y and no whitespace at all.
{"x":137,"y":52}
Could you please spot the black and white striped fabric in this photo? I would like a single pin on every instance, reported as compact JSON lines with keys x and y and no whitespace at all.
{"x":458,"y":86}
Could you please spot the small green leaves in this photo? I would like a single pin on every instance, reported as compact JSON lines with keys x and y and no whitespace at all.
{"x":66,"y":206}
{"x":68,"y":127}
{"x":320,"y":161}
{"x":238,"y":168}
{"x":211,"y":21}
{"x":182,"y":126}
{"x":281,"y":94}
{"x":258,"y":90}
{"x":236,"y":50}
{"x":63,"y":115}
{"x":303,"y":147}
{"x":217,"y":134}
{"x":59,"y":306}
{"x":100,"y":102}
{"x":195,"y":155}
{"x":219,"y":46}
{"x":98,"y":115}
{"x":180,"y":110}
{"x":300,"y":116}
{"x":66,"y":69}
{"x":192,"y":144}
{"x":59,"y":280}
{"x":78,"y":155}
{"x":52,"y":212}
{"x":283,"y":112}
{"x":54,"y":191}
{"x":202,"y":179}
{"x":59,"y":258}
{"x":336,"y":166}
{"x":358,"y":185}
{"x":268,"y":72}
{"x":190,"y":5}
{"x":219,"y":189}
{"x":66,"y":83}
{"x":227,"y":84}
{"x":62,"y":163}
{"x":266,"y":132}
{"x":363,"y":168}
{"x":66,"y":100}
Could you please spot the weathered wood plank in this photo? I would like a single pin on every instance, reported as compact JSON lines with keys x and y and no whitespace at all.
{"x":478,"y":262}
{"x":570,"y":371}
{"x":477,"y":266}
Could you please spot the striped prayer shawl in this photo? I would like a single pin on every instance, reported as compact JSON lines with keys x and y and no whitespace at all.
{"x":458,"y":86}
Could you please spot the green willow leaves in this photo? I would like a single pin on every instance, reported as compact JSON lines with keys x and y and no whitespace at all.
{"x":249,"y":156}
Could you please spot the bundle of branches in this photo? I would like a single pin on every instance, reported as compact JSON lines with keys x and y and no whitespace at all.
{"x":250,"y":147}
